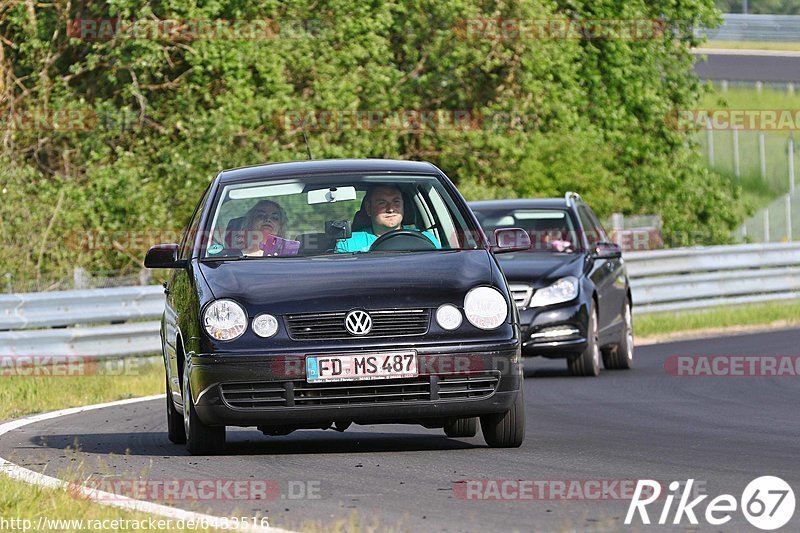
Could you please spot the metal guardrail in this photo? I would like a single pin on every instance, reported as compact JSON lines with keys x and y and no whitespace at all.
{"x":67,"y":308}
{"x":776,"y":28}
{"x":136,"y":338}
{"x":692,"y":278}
{"x":661,"y":280}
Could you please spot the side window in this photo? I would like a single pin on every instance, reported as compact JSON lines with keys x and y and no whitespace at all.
{"x":590,"y":228}
{"x":600,"y":229}
{"x":191,"y":230}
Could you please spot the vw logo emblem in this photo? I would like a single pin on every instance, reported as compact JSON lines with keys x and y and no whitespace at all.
{"x":358,"y":322}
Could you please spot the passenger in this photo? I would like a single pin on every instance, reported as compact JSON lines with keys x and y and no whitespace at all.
{"x":265,"y":226}
{"x":384,"y":206}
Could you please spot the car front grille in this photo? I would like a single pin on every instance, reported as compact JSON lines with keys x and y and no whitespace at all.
{"x":521,"y":293}
{"x":263,"y":395}
{"x":385,"y":323}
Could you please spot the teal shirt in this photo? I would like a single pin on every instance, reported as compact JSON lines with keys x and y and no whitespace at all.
{"x":361,"y":241}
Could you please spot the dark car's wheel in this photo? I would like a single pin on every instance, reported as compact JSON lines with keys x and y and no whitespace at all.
{"x":621,"y":357}
{"x":200,"y":438}
{"x":175,"y":430}
{"x":587,"y":363}
{"x":506,"y":430}
{"x":461,"y":427}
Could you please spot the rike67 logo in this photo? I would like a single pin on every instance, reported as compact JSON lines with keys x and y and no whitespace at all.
{"x":767,"y":503}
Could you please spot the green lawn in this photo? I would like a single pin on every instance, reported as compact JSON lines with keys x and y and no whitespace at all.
{"x":652,"y":324}
{"x":751,"y":45}
{"x":23,"y":395}
{"x":757,"y":192}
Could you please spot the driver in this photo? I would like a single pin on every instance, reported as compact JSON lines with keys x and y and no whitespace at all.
{"x":384,"y":206}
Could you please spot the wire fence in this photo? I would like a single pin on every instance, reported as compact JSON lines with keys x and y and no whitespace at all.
{"x":772,"y":28}
{"x":80,"y":279}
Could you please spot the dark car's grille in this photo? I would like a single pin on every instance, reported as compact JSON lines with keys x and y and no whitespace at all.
{"x":521,"y":293}
{"x":299,"y":393}
{"x":385,"y":323}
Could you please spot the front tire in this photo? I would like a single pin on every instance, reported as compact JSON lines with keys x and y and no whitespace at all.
{"x":461,"y":427}
{"x":506,"y":430}
{"x":175,"y":430}
{"x":621,"y":358}
{"x":200,"y":438}
{"x":587,"y":363}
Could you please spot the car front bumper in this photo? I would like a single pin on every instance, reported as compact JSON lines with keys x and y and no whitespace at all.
{"x":554,"y":331}
{"x":271,"y":390}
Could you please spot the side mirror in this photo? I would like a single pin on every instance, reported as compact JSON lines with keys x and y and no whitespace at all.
{"x":163,"y":256}
{"x":606,"y":250}
{"x":511,"y":240}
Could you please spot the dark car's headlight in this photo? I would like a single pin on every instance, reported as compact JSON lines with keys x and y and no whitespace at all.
{"x":225,"y":320}
{"x":485,"y":308}
{"x":561,"y":291}
{"x":448,"y":317}
{"x":265,"y":325}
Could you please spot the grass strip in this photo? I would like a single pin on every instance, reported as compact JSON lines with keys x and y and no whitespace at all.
{"x":652,"y":324}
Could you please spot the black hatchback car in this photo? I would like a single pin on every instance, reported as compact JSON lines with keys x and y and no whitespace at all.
{"x":571,"y":286}
{"x":319,"y":294}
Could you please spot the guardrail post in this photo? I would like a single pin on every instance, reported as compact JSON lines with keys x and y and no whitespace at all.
{"x":762,"y":155}
{"x":710,"y":143}
{"x":617,"y":225}
{"x":791,"y":161}
{"x":80,"y":279}
{"x":766,"y":225}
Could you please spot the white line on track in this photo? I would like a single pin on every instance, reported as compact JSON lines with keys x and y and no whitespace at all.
{"x":105,"y":498}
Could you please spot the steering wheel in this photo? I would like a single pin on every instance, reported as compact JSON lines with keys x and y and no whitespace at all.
{"x":402,"y":240}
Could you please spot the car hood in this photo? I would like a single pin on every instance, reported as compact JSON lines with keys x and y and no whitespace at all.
{"x":343,"y":282}
{"x":540,"y":269}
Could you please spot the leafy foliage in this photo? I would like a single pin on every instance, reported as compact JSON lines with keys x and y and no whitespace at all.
{"x":158,"y":117}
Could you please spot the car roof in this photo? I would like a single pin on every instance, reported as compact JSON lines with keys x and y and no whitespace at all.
{"x":323,"y":166}
{"x":521,"y":203}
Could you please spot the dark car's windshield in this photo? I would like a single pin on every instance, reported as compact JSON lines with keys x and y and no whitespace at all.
{"x":551,"y":230}
{"x":319,"y":215}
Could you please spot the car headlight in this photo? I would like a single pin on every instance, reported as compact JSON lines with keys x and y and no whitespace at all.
{"x":561,"y":291}
{"x":485,"y":307}
{"x":448,"y":317}
{"x":265,"y":325}
{"x":224,"y":320}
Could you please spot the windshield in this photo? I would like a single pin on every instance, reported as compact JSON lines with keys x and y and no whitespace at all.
{"x":322,"y":215}
{"x":551,"y":230}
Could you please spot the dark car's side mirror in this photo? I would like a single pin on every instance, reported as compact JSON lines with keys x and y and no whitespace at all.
{"x":511,"y":240}
{"x":163,"y":256}
{"x":606,"y":250}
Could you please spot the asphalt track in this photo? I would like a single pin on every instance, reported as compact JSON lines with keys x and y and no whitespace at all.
{"x":743,"y":65}
{"x":625,"y":425}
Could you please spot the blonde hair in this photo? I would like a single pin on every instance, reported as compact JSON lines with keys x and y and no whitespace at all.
{"x":250,"y":215}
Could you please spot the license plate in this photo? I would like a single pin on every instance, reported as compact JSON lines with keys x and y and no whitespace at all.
{"x":320,"y":368}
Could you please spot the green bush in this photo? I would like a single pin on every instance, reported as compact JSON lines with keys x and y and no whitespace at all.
{"x":586,"y":115}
